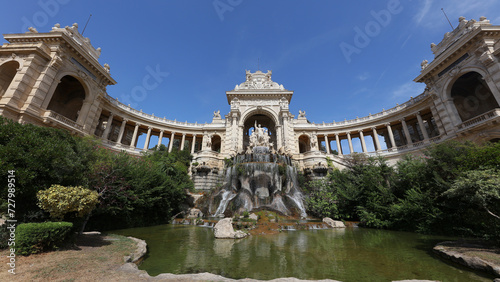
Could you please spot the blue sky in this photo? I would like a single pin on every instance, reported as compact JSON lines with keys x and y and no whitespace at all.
{"x":313,"y":48}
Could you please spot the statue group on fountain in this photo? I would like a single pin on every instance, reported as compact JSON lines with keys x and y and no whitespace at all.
{"x":259,"y":137}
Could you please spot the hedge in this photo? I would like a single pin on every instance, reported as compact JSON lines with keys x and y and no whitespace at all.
{"x":32,"y":238}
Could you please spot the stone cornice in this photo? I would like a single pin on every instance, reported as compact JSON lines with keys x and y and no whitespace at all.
{"x":271,"y":94}
{"x":63,"y":37}
{"x":455,"y":50}
{"x":38,"y":48}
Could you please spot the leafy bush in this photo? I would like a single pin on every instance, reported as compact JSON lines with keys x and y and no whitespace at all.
{"x":32,"y":238}
{"x":59,"y":200}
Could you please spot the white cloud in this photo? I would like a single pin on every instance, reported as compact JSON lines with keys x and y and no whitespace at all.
{"x":407,"y":90}
{"x":430,"y":15}
{"x":363,"y":76}
{"x":423,"y":12}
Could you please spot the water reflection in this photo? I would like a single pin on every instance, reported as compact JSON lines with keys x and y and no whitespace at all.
{"x":340,"y":254}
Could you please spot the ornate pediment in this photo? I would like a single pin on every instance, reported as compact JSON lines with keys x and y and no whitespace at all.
{"x":258,"y":80}
{"x":464,"y":27}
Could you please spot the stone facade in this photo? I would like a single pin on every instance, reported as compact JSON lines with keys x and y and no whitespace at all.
{"x":461,"y":100}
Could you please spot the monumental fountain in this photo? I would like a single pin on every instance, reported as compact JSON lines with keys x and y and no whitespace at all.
{"x":260,"y":178}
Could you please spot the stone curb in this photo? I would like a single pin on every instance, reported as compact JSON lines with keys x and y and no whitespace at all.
{"x":139,"y":253}
{"x":468,"y":261}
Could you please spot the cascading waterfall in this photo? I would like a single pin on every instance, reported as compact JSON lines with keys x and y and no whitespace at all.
{"x":260,"y":179}
{"x":227,"y":196}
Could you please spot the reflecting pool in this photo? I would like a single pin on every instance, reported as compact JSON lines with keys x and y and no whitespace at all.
{"x":352,"y":254}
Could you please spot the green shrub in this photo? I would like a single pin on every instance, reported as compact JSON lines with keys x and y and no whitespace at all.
{"x":32,"y":238}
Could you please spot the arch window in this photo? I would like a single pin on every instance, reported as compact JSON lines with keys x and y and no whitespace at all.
{"x":304,"y":144}
{"x":216,"y":143}
{"x":7,"y":73}
{"x":68,"y":98}
{"x":472,"y":96}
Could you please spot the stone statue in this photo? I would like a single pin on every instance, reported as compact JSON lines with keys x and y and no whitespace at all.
{"x":217,"y":114}
{"x":314,"y":141}
{"x":107,"y":67}
{"x":302,"y":113}
{"x":424,"y":64}
{"x":259,"y":136}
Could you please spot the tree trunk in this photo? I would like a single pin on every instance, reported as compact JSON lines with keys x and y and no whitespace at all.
{"x":84,"y":223}
{"x":498,"y":217}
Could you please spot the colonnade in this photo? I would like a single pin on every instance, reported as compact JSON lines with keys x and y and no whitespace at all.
{"x":125,"y":128}
{"x":413,"y":130}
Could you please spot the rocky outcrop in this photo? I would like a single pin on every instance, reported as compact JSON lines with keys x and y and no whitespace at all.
{"x":224,"y":230}
{"x":140,"y":251}
{"x":466,"y":260}
{"x":334,"y":223}
{"x":253,"y":216}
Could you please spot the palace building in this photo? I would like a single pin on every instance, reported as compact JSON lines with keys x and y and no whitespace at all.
{"x":54,"y":79}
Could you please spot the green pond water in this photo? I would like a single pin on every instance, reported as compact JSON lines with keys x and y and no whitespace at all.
{"x":352,"y":254}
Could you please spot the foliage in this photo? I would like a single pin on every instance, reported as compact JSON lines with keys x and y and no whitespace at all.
{"x":32,"y":238}
{"x":480,"y":188}
{"x":60,"y":200}
{"x":246,"y":214}
{"x":133,"y":190}
{"x":228,"y":162}
{"x":139,"y":191}
{"x":40,"y":157}
{"x":321,"y":202}
{"x":452,"y":189}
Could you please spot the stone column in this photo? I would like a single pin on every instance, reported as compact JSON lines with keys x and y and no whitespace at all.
{"x":122,"y":130}
{"x":134,"y":136}
{"x":339,"y":147}
{"x":391,"y":135}
{"x":279,"y":137}
{"x":327,"y":145}
{"x":84,"y":111}
{"x":362,"y":138}
{"x":193,"y":144}
{"x":407,"y":132}
{"x":160,"y":138}
{"x":105,"y":135}
{"x":351,"y":150}
{"x":171,"y":143}
{"x":182,"y":141}
{"x":148,"y":136}
{"x":375,"y":138}
{"x":422,"y":126}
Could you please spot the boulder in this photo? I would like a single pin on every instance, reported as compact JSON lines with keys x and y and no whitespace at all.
{"x":194,"y":213}
{"x":253,"y":216}
{"x":224,"y":230}
{"x":334,"y":223}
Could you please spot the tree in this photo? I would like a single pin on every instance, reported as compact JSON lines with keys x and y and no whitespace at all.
{"x":60,"y":200}
{"x":478,"y":187}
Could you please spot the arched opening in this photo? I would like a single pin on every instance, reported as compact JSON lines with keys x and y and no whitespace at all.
{"x":259,"y":120}
{"x":216,"y":143}
{"x":7,"y":73}
{"x":68,"y":98}
{"x":472,"y":96}
{"x":304,"y":144}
